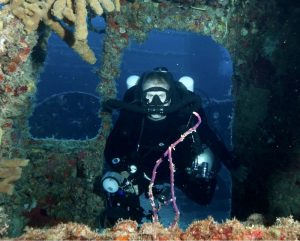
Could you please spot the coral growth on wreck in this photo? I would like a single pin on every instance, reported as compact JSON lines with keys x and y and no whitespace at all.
{"x":57,"y":184}
{"x":10,"y":171}
{"x":125,"y":230}
{"x":60,"y":16}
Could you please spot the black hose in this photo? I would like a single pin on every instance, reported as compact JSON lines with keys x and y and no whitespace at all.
{"x":118,"y":104}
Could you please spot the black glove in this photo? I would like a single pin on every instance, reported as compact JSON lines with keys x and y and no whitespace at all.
{"x":196,"y":146}
{"x":201,"y":191}
{"x":162,"y":193}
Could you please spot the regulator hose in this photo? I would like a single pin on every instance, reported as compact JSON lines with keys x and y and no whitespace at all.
{"x":135,"y":107}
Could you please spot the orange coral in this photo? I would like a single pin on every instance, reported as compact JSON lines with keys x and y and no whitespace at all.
{"x":12,"y":67}
{"x":128,"y":226}
{"x":124,"y":230}
{"x":10,"y":172}
{"x":24,"y":53}
{"x":156,"y":231}
{"x":8,"y":89}
{"x":208,"y":229}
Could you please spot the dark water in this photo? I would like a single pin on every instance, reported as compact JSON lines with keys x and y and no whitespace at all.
{"x":72,"y":115}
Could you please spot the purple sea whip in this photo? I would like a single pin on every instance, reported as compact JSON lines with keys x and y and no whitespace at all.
{"x":168,"y":153}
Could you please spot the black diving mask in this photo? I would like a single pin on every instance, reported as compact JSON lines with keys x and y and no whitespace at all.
{"x":155,"y":100}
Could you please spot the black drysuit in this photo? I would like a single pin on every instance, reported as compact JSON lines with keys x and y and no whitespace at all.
{"x":139,"y":141}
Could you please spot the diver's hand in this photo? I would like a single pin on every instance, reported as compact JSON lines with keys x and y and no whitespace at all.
{"x":196,"y":147}
{"x":240,"y":174}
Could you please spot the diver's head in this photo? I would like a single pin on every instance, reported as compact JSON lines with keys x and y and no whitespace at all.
{"x":156,"y":93}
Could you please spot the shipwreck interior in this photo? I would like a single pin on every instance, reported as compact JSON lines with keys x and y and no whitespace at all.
{"x":46,"y":181}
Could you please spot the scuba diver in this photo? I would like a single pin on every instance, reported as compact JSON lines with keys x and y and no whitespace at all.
{"x":153,"y":114}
